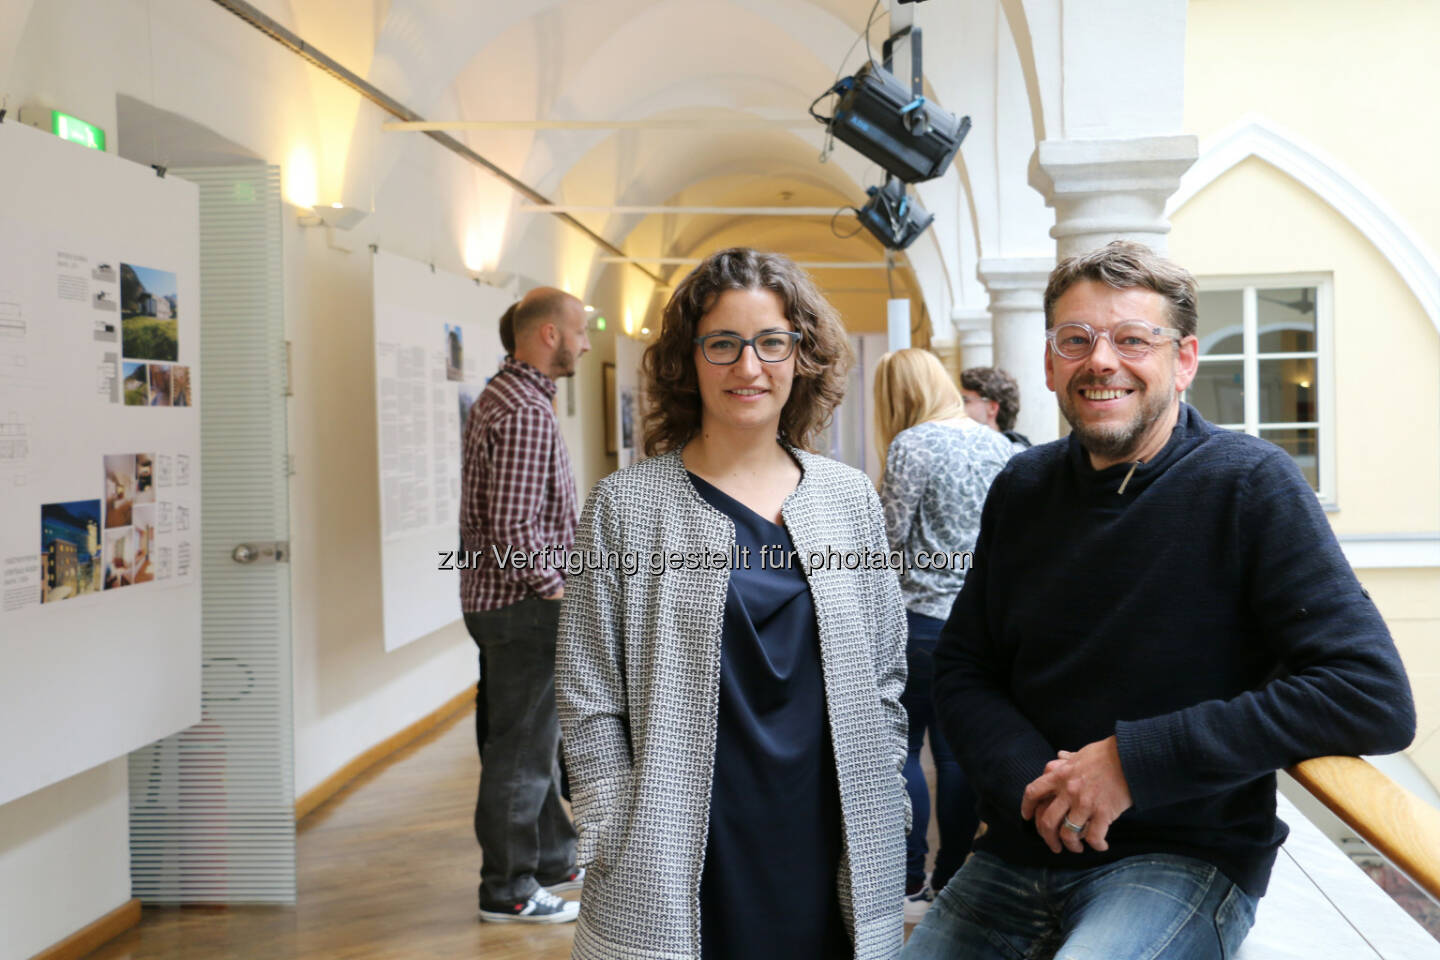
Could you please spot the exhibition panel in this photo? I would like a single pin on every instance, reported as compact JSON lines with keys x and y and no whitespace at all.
{"x":99,"y":458}
{"x":436,"y":346}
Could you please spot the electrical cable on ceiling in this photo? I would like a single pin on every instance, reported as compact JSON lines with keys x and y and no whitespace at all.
{"x":852,"y":233}
{"x":828,"y":147}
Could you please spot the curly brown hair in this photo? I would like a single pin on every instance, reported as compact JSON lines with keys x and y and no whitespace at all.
{"x":992,"y":383}
{"x":822,"y":357}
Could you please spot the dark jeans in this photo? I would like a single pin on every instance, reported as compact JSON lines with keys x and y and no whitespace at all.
{"x":526,"y":839}
{"x":954,"y":800}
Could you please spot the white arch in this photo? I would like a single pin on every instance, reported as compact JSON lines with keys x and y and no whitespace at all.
{"x":1253,"y":135}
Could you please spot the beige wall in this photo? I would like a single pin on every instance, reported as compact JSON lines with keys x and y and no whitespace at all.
{"x":1354,"y":78}
{"x":1410,"y":602}
{"x":1341,"y":78}
{"x":1257,"y":220}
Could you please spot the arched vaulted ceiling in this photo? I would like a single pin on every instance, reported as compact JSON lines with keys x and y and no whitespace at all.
{"x":716,"y":61}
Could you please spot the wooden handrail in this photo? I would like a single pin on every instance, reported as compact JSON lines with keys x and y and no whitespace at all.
{"x":1402,"y":828}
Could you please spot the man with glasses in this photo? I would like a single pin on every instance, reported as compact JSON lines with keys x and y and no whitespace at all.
{"x":1158,"y":618}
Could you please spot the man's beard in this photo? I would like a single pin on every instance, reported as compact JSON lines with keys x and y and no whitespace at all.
{"x":563,"y":363}
{"x":1116,"y":441}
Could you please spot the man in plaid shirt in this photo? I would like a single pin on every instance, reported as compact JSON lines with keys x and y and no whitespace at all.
{"x":519,"y":499}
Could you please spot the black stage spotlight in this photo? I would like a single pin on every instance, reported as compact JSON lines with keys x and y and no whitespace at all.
{"x":909,"y":136}
{"x":893,"y":217}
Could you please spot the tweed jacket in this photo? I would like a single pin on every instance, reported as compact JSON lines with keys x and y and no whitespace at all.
{"x":637,"y":686}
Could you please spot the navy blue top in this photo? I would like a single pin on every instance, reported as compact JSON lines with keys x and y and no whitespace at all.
{"x":1199,"y":610}
{"x":771,"y":861}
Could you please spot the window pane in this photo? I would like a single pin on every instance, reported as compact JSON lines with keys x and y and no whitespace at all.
{"x":1304,"y":448}
{"x":1219,"y":391}
{"x":1287,"y":391}
{"x":1222,"y":320}
{"x":1286,"y":318}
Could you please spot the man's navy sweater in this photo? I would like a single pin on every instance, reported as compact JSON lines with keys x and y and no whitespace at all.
{"x":1204,"y":615}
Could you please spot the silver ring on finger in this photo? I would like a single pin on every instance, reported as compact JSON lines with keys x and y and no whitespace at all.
{"x":1077,"y":828}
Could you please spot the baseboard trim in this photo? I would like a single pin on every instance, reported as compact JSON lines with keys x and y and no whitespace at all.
{"x":95,"y":935}
{"x":307,"y":802}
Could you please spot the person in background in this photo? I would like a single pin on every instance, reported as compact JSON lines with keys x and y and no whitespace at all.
{"x":939,"y":464}
{"x":518,"y":495}
{"x":731,"y":711}
{"x":993,"y":398}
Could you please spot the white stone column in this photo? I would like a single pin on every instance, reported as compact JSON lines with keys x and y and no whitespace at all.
{"x":1103,"y":190}
{"x":1017,"y":289}
{"x":974,"y":337}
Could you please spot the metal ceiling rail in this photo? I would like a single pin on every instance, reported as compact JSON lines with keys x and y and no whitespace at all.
{"x":807,"y":264}
{"x":696,"y":211}
{"x":293,"y":42}
{"x":718,"y":124}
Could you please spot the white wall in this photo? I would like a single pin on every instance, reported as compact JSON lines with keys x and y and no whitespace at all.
{"x":64,"y":857}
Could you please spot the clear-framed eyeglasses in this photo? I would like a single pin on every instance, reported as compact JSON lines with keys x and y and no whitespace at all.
{"x":1132,"y":339}
{"x":773,"y":346}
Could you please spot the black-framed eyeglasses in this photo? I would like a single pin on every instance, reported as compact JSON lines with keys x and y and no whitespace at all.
{"x":772,"y":346}
{"x":1133,"y":339}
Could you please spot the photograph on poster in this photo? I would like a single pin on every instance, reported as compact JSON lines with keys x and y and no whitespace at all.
{"x":119,"y":489}
{"x":468,"y":393}
{"x":117,"y":559}
{"x":104,"y":273}
{"x":149,"y":314}
{"x":159,"y":376}
{"x":136,"y":386}
{"x":104,"y":300}
{"x":454,"y":352}
{"x":179,"y":386}
{"x":144,"y":478}
{"x":69,"y":549}
{"x":143,"y":537}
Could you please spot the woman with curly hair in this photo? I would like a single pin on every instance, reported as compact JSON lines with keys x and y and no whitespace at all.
{"x":731,"y":712}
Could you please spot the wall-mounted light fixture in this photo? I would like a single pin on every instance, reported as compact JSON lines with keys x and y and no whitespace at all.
{"x":336,"y":215}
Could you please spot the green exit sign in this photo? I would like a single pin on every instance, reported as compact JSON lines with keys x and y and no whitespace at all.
{"x":76,"y":130}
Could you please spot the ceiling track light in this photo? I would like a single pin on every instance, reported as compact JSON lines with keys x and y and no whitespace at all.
{"x":892,"y":217}
{"x":911,"y":137}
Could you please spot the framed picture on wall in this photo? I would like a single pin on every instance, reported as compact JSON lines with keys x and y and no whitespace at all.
{"x":627,"y":419}
{"x":607,"y":384}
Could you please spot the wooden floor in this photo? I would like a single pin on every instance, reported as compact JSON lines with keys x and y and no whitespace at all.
{"x":387,"y":869}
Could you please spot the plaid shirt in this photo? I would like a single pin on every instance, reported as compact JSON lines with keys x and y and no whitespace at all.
{"x":517,"y":490}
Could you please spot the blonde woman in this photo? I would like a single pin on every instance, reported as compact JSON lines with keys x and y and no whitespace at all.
{"x":733,"y":729}
{"x":939,"y":464}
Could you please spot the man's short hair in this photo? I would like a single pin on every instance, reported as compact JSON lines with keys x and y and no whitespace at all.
{"x":992,"y":383}
{"x":507,"y":329}
{"x":1125,"y":264}
{"x":539,"y":306}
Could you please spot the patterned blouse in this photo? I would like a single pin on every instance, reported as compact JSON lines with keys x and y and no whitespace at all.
{"x":936,"y":478}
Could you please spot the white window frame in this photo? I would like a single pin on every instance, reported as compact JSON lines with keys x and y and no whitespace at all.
{"x":1249,"y":285}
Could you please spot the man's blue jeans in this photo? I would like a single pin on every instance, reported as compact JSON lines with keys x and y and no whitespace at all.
{"x":1153,"y":907}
